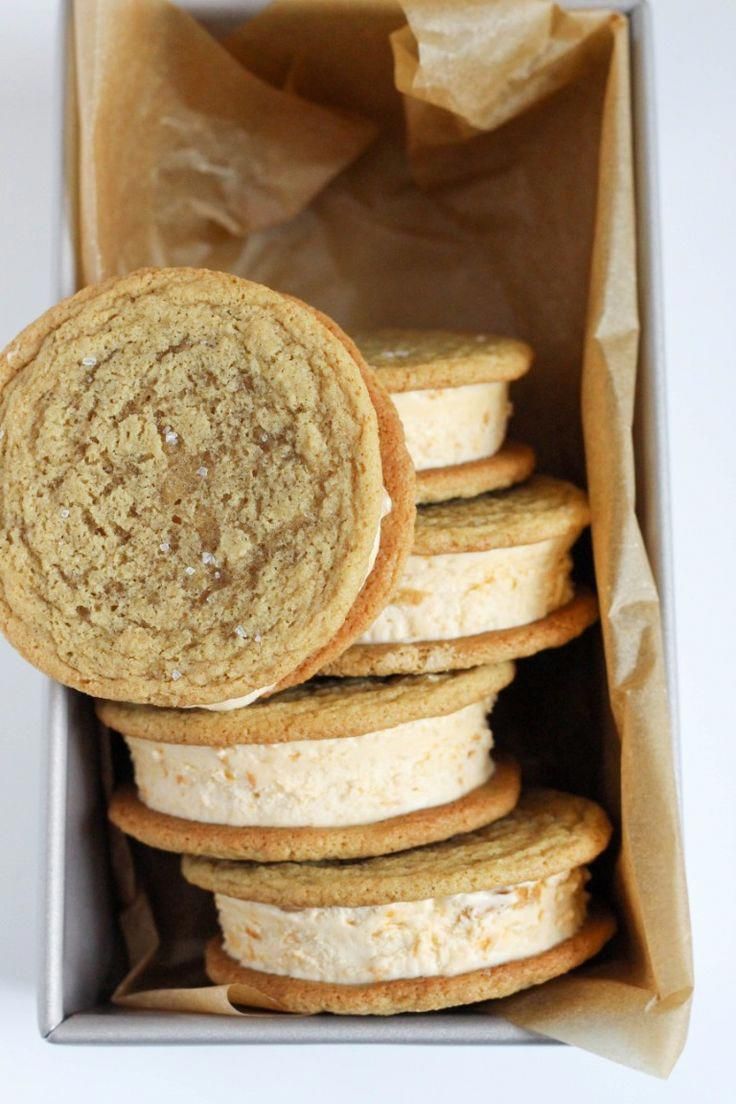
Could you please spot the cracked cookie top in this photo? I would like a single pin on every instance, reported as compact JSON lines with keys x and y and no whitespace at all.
{"x":190,"y":491}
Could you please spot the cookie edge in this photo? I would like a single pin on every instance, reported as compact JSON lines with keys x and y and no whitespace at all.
{"x":494,"y":799}
{"x":434,"y":656}
{"x":513,"y":463}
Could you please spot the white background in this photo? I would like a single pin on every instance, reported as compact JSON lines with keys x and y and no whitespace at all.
{"x":696,"y":85}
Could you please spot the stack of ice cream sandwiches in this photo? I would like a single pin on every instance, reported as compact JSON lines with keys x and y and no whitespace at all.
{"x":208,"y":523}
{"x":489,"y":575}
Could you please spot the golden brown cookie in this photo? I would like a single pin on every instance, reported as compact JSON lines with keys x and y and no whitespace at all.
{"x":540,"y":509}
{"x":423,"y":994}
{"x":323,"y":709}
{"x":488,"y":802}
{"x":416,"y":360}
{"x":513,"y":463}
{"x":194,"y":471}
{"x":557,"y":628}
{"x":547,"y":833}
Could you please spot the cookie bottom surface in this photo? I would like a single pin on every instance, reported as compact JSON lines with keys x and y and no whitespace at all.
{"x":387,"y":998}
{"x":512,"y":464}
{"x":433,"y":656}
{"x":489,"y":802}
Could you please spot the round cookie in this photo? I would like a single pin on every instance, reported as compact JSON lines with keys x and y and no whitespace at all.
{"x":417,"y":360}
{"x":547,"y":833}
{"x":513,"y":463}
{"x":491,"y":801}
{"x":446,"y":613}
{"x":424,"y":994}
{"x":182,"y":517}
{"x":320,"y":710}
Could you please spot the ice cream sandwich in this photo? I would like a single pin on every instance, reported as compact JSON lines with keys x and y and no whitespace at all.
{"x":476,"y":917}
{"x":205,"y":494}
{"x":489,"y":578}
{"x":451,"y":391}
{"x":332,"y":769}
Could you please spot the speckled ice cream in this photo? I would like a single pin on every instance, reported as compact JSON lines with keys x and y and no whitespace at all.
{"x":458,"y":594}
{"x":441,"y":936}
{"x":352,"y":780}
{"x":453,"y":425}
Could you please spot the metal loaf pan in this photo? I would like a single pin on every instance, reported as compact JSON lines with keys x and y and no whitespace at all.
{"x":82,"y":952}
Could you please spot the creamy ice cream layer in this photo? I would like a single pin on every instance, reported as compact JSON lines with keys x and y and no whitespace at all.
{"x":439,"y":937}
{"x":325,"y":783}
{"x":234,"y":703}
{"x":463,"y":593}
{"x":451,"y":425}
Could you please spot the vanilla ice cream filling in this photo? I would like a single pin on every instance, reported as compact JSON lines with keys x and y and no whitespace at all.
{"x":240,"y":703}
{"x":324,"y":783}
{"x":234,"y":703}
{"x":463,"y":593}
{"x":451,"y":425}
{"x":439,"y":937}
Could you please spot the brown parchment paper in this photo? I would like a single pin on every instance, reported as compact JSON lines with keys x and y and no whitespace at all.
{"x":427,"y":163}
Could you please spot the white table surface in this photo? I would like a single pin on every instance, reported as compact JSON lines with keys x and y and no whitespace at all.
{"x":698,"y":188}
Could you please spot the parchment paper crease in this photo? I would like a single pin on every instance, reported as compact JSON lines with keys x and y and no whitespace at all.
{"x":427,"y":163}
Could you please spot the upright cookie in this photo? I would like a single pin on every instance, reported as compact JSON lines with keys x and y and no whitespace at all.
{"x":451,"y":392}
{"x":205,"y":493}
{"x":488,"y":579}
{"x":331,"y":769}
{"x":475,"y":917}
